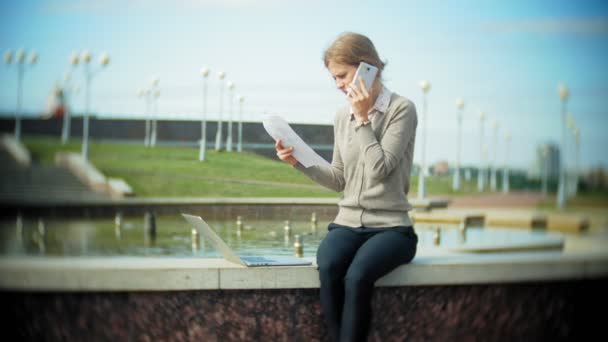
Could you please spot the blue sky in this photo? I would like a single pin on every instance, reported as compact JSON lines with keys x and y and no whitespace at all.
{"x":502,"y":57}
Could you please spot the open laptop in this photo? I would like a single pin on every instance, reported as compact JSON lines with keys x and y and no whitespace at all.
{"x":228,"y":254}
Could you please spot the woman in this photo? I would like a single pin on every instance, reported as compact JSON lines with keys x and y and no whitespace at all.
{"x":372,"y":234}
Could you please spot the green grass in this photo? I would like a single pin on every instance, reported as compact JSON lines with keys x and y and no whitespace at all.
{"x":176,"y":172}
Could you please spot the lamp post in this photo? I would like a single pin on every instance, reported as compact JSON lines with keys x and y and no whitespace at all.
{"x":564,"y":94}
{"x":67,"y":117}
{"x":456,"y":177}
{"x":240,"y":141}
{"x":145,"y":94}
{"x":577,"y":142}
{"x":218,"y":134}
{"x":154,"y":95}
{"x":104,"y":60}
{"x":230,"y":101}
{"x":544,"y":183}
{"x":505,"y":171}
{"x":570,"y":190}
{"x":20,"y":61}
{"x":496,"y":126}
{"x":203,"y":144}
{"x":425,"y":86}
{"x":155,"y":117}
{"x":480,"y":174}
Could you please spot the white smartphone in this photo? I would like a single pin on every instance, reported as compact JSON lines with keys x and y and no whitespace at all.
{"x":367,"y":72}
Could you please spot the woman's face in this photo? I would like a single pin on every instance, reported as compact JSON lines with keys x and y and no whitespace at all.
{"x":342,"y":73}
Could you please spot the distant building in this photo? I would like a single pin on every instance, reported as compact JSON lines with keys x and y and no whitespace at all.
{"x":547,"y":156}
{"x":441,"y":168}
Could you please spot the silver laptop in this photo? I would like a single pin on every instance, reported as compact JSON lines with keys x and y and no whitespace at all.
{"x":228,"y":254}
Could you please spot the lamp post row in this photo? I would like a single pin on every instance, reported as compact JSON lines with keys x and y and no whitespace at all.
{"x":153,"y":92}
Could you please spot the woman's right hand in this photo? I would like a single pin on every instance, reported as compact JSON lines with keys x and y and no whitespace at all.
{"x":285,"y":154}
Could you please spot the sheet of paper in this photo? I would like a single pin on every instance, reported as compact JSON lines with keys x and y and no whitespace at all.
{"x":280,"y":129}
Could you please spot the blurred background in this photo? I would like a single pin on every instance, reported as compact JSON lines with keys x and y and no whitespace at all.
{"x":527,"y":78}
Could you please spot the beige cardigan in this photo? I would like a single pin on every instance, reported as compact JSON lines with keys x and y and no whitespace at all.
{"x":371,"y":165}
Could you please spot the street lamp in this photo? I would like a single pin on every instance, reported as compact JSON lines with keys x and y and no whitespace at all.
{"x":564,"y":94}
{"x":145,"y":94}
{"x":104,"y":60}
{"x":571,"y":185}
{"x":577,"y":142}
{"x":230,"y":101}
{"x":203,"y":144}
{"x":218,"y":134}
{"x":456,"y":178}
{"x":496,"y":126}
{"x":505,"y":171}
{"x":20,"y":61}
{"x":425,"y":86}
{"x":67,"y":116}
{"x":545,"y":170}
{"x":154,"y":95}
{"x":240,"y":142}
{"x":480,"y":174}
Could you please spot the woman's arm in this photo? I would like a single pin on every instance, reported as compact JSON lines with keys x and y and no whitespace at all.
{"x":381,"y":157}
{"x":330,"y":177}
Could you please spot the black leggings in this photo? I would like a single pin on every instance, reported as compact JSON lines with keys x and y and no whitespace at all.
{"x":350,"y":261}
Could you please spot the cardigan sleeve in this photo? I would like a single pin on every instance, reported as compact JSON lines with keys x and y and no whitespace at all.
{"x":381,"y":157}
{"x":331,"y":177}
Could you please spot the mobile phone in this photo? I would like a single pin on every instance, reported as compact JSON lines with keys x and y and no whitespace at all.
{"x":367,"y":72}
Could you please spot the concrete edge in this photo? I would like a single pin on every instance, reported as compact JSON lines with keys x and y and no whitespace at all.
{"x":16,"y":150}
{"x":91,"y":176}
{"x":173,"y":274}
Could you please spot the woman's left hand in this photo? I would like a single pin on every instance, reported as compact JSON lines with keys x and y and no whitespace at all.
{"x":360,"y":100}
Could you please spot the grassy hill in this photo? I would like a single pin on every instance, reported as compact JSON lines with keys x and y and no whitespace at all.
{"x":176,"y":172}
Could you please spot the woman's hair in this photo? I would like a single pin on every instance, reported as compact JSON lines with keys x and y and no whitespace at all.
{"x":352,"y":48}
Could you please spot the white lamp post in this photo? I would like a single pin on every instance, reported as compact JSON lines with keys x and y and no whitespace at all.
{"x":230,"y":101}
{"x":218,"y":134}
{"x":564,"y":94}
{"x":154,"y":95}
{"x":577,"y":143}
{"x":496,"y":126}
{"x":571,"y":186}
{"x":104,"y":60}
{"x":425,"y":86}
{"x":145,"y":95}
{"x":240,"y":141}
{"x":155,"y":115}
{"x":203,"y":144}
{"x":20,"y":61}
{"x":480,"y":174}
{"x":456,"y":177}
{"x":67,"y":117}
{"x":505,"y":171}
{"x":545,"y":170}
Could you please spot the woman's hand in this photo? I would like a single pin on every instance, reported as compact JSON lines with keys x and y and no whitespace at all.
{"x":360,"y":100}
{"x":285,"y":154}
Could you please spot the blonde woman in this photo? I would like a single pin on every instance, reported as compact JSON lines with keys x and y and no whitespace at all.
{"x":372,"y":234}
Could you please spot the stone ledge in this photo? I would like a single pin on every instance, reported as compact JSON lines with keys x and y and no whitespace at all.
{"x":16,"y":149}
{"x":170,"y":274}
{"x":91,"y":176}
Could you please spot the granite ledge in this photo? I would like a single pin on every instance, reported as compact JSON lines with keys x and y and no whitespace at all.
{"x":173,"y":274}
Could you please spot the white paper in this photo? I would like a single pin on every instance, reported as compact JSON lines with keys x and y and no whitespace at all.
{"x":279,"y":129}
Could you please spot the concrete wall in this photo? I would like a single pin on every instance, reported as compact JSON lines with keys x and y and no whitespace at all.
{"x":187,"y":133}
{"x":548,"y":311}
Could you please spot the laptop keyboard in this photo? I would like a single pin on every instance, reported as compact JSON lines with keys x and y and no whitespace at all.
{"x":256,"y":259}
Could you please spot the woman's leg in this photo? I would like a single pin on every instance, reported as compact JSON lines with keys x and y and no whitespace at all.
{"x":379,"y":255}
{"x":333,"y":258}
